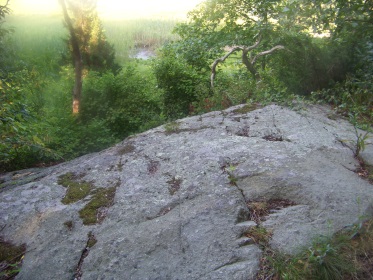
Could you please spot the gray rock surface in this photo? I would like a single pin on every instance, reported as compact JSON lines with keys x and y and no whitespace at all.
{"x":180,"y":210}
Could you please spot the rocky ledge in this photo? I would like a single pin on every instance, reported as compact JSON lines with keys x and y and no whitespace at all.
{"x":174,"y":202}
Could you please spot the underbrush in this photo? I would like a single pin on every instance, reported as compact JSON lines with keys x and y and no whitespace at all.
{"x":346,"y":255}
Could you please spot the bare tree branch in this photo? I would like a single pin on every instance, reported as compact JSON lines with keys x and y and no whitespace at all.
{"x":4,"y":9}
{"x":250,"y":65}
{"x":255,"y":45}
{"x":4,"y":6}
{"x":244,"y":50}
{"x":278,"y":47}
{"x":219,"y":60}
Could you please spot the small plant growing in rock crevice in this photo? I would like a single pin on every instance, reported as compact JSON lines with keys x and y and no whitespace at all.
{"x":259,"y":235}
{"x":10,"y":259}
{"x":361,"y":141}
{"x":273,"y":138}
{"x":348,"y":254}
{"x":90,"y":243}
{"x":259,"y":209}
{"x":231,"y":176}
{"x":246,"y":108}
{"x":172,"y":127}
{"x":364,"y":170}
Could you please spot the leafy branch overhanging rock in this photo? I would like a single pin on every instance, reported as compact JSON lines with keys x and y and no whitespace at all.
{"x":248,"y":62}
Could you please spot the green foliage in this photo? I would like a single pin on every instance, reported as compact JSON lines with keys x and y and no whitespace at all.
{"x":128,"y":102}
{"x":37,"y":126}
{"x":327,"y":258}
{"x":11,"y":259}
{"x":353,"y":96}
{"x":345,"y":255}
{"x":307,"y":63}
{"x":20,"y":140}
{"x":182,"y":84}
{"x":37,"y":43}
{"x":5,"y":49}
{"x":71,"y":138}
{"x":336,"y":16}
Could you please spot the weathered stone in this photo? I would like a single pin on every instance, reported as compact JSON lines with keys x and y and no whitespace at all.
{"x":179,"y":210}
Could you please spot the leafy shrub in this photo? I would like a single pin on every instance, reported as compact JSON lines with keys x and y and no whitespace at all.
{"x":127,"y":102}
{"x":353,"y":96}
{"x":20,"y":140}
{"x":71,"y":138}
{"x":182,"y":84}
{"x":308,"y":64}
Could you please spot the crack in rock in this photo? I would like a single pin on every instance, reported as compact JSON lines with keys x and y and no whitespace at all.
{"x":90,"y":243}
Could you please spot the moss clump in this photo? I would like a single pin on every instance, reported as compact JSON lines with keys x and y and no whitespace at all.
{"x":75,"y":190}
{"x":91,"y":240}
{"x":260,"y":235}
{"x":126,"y":149}
{"x":174,"y":185}
{"x":172,"y":127}
{"x":101,"y":198}
{"x":69,"y":225}
{"x":10,"y":259}
{"x":246,"y":109}
{"x":10,"y":252}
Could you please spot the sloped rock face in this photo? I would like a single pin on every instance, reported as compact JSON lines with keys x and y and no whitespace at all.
{"x":180,"y":210}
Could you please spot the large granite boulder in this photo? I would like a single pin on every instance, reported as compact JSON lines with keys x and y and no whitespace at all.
{"x":172,"y":203}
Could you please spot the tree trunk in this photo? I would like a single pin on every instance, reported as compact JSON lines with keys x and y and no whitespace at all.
{"x":78,"y":63}
{"x":249,"y":66}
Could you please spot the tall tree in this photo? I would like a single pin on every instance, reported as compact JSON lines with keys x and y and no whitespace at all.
{"x":87,"y":43}
{"x":77,"y":58}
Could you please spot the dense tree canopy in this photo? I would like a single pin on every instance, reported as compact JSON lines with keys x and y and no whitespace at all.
{"x":216,"y":24}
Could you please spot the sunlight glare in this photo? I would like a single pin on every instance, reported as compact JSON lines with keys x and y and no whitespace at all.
{"x":113,"y":9}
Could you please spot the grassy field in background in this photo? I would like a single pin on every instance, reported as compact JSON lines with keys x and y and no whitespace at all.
{"x":128,"y":35}
{"x":43,"y":36}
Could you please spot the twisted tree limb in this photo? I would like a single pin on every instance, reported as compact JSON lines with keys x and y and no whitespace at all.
{"x":250,"y":64}
{"x":278,"y":47}
{"x":219,"y":60}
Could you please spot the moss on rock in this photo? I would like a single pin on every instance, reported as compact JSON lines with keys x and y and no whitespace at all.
{"x":102,"y":198}
{"x":75,"y":190}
